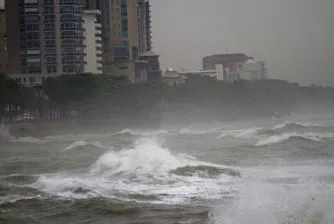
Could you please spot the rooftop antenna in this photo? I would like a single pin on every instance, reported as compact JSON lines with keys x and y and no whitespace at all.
{"x":226,"y":45}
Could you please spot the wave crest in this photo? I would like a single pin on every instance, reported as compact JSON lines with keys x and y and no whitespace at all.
{"x":83,"y":143}
{"x":246,"y":134}
{"x":317,"y":137}
{"x":142,"y":171}
{"x":204,"y":171}
{"x":128,"y":131}
{"x":296,"y":125}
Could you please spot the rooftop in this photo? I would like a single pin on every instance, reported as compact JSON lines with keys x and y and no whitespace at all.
{"x":228,"y":56}
{"x":148,"y":54}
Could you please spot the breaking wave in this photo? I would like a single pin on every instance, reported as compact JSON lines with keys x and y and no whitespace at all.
{"x":280,"y":132}
{"x":204,"y":171}
{"x":83,"y":143}
{"x":149,"y":171}
{"x":29,"y":140}
{"x":317,"y":137}
{"x":19,"y":178}
{"x":296,"y":125}
{"x":141,"y":133}
{"x":15,"y":198}
{"x":248,"y":133}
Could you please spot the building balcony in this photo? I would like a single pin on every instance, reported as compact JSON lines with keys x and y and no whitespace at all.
{"x":98,"y":32}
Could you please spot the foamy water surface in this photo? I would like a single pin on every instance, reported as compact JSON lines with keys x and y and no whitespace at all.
{"x":264,"y":171}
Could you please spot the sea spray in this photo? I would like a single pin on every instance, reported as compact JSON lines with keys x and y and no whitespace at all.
{"x":143,"y":170}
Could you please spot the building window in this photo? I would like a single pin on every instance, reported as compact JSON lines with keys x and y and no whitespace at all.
{"x":18,"y":80}
{"x":32,"y":80}
{"x":51,"y":68}
{"x":121,"y":54}
{"x":134,"y":53}
{"x":48,"y":2}
{"x":34,"y":69}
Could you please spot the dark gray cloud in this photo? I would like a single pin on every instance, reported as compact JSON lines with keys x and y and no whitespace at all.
{"x":295,"y":37}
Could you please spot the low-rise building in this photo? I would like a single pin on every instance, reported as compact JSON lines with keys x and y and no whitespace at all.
{"x":253,"y":70}
{"x":137,"y":71}
{"x":28,"y":80}
{"x":217,"y":73}
{"x":154,"y":71}
{"x":172,"y":77}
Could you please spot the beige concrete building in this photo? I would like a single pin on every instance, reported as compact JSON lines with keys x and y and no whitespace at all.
{"x":3,"y":44}
{"x":172,"y":77}
{"x":126,"y":34}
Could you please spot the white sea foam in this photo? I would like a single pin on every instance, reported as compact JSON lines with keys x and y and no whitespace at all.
{"x":128,"y":131}
{"x":191,"y":131}
{"x":297,"y":124}
{"x":260,"y":201}
{"x":143,"y":170}
{"x":285,"y":136}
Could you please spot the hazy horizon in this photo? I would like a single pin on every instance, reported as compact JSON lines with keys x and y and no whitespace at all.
{"x":294,"y":37}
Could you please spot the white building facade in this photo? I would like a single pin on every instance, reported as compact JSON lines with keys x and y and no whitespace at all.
{"x":252,"y":71}
{"x":218,"y":73}
{"x":92,"y":42}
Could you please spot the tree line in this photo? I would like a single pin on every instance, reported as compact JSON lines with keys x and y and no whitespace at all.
{"x":89,"y":97}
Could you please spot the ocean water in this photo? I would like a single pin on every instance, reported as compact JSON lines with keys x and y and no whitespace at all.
{"x":265,"y":171}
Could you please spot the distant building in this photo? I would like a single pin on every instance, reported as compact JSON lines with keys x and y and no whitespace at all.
{"x":154,"y":71}
{"x":136,"y":71}
{"x":230,"y":62}
{"x":210,"y":73}
{"x":172,"y":77}
{"x":216,"y":73}
{"x":253,"y":70}
{"x":92,"y":42}
{"x":3,"y":42}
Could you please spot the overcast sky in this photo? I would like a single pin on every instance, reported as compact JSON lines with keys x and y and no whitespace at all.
{"x":294,"y":37}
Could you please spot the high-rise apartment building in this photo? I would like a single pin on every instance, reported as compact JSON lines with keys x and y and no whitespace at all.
{"x":92,"y":42}
{"x":45,"y":36}
{"x":144,"y":25}
{"x":3,"y":44}
{"x":125,"y":33}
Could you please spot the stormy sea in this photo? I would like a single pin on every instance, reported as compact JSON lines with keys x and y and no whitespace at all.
{"x":264,"y":171}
